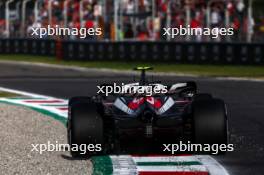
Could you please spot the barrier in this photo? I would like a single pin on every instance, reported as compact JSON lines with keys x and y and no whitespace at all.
{"x":193,"y":53}
{"x":178,"y":52}
{"x":28,"y":46}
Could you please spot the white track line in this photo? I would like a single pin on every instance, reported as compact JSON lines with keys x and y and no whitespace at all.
{"x":24,"y":93}
{"x":212,"y":165}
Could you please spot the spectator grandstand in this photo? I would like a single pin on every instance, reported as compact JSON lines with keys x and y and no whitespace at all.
{"x":132,"y":19}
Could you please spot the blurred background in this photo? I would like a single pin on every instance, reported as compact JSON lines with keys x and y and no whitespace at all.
{"x":141,"y":20}
{"x":133,"y":30}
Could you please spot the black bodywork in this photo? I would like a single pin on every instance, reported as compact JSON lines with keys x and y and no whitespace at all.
{"x":146,"y":124}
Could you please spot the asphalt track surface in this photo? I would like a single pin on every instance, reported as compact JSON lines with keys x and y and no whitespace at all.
{"x":244,"y":100}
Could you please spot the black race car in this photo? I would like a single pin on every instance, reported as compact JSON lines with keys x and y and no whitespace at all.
{"x":133,"y":122}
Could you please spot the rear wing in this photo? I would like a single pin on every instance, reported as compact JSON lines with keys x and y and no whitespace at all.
{"x":143,"y":79}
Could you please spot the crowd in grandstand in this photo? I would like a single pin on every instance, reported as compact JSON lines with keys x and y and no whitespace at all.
{"x":136,"y":19}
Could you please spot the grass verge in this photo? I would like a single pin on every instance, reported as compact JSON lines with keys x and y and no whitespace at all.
{"x":7,"y":94}
{"x":195,"y":69}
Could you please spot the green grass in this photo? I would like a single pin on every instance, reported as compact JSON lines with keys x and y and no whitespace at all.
{"x":7,"y":94}
{"x":201,"y":70}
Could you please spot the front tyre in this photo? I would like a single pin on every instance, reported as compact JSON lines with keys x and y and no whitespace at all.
{"x":85,"y":128}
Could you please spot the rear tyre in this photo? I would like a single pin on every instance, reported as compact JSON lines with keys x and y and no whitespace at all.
{"x":209,"y":122}
{"x":85,"y":128}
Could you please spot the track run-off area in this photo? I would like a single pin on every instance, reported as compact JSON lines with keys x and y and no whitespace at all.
{"x":244,"y":100}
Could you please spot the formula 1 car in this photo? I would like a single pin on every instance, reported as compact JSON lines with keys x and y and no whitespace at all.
{"x":132,"y":122}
